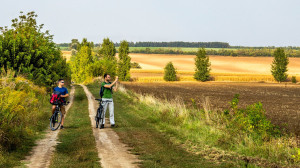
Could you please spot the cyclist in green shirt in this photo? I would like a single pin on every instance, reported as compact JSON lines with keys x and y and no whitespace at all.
{"x":107,"y":99}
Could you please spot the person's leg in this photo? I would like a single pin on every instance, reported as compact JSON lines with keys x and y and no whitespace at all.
{"x":63,"y":111}
{"x":111,"y":113}
{"x":104,"y":104}
{"x":53,"y":108}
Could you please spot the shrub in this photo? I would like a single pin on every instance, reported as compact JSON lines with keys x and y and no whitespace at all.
{"x":170,"y":72}
{"x":250,"y":120}
{"x":294,"y":80}
{"x":20,"y":116}
{"x":136,"y":65}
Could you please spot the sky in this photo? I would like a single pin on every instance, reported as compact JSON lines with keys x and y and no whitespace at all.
{"x":238,"y":22}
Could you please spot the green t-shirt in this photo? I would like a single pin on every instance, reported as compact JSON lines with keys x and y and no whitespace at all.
{"x":107,"y":93}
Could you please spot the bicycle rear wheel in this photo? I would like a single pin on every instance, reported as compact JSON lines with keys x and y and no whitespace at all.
{"x":55,"y":120}
{"x":97,"y":117}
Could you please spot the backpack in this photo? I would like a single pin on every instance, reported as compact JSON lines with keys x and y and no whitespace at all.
{"x":101,"y":91}
{"x":55,"y":99}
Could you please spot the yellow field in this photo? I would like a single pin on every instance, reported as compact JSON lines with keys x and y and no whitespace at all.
{"x":219,"y":64}
{"x":67,"y":55}
{"x":224,"y":68}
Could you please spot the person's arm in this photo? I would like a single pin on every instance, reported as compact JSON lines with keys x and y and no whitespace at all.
{"x":112,"y":84}
{"x":66,"y":95}
{"x":115,"y":87}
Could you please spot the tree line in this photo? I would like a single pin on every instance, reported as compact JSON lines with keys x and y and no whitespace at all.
{"x":263,"y":52}
{"x":179,"y":44}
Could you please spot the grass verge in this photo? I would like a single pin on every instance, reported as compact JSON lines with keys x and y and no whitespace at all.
{"x":238,"y":137}
{"x":77,"y":147}
{"x":137,"y":128}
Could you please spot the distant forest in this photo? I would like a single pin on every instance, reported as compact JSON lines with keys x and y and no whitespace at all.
{"x":179,"y":44}
{"x":182,"y":44}
{"x":221,"y":48}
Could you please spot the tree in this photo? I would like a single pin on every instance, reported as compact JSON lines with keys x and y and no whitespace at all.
{"x":81,"y":66}
{"x":279,"y":65}
{"x":107,"y":49}
{"x":29,"y":51}
{"x":74,"y":44}
{"x":124,"y":62}
{"x":107,"y":52}
{"x":202,"y":66}
{"x":170,"y":72}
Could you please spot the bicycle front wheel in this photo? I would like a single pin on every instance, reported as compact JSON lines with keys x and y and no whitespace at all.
{"x":55,"y":120}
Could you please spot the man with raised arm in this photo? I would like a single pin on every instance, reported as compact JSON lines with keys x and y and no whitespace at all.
{"x":107,"y":99}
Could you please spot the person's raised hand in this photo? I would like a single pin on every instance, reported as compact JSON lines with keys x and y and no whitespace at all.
{"x":117,"y":78}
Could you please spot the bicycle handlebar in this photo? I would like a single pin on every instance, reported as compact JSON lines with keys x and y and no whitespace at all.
{"x":100,"y":100}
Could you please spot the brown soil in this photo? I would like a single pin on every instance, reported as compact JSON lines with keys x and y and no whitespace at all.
{"x":112,"y":152}
{"x":280,"y":101}
{"x":41,"y":154}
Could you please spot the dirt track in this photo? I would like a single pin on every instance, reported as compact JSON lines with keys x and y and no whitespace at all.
{"x":41,"y":154}
{"x":281,"y":102}
{"x":112,"y":152}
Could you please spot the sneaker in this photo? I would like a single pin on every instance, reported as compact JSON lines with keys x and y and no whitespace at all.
{"x":62,"y":127}
{"x":102,"y":126}
{"x":112,"y":125}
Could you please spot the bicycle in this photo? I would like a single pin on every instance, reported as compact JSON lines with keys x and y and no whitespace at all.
{"x":100,"y":115}
{"x":56,"y":117}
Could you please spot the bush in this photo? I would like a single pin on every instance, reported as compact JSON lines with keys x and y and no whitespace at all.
{"x":170,"y":72}
{"x":136,"y":65}
{"x":294,"y":80}
{"x":250,"y":120}
{"x":20,"y":102}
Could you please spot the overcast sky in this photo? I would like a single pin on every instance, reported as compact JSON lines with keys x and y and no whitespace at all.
{"x":239,"y":22}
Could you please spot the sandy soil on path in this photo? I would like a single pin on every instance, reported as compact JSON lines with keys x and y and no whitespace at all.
{"x":41,"y":154}
{"x":113,"y":153}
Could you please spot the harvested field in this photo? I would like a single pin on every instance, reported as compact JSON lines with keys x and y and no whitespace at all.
{"x":219,"y":64}
{"x":280,"y":101}
{"x":66,"y":54}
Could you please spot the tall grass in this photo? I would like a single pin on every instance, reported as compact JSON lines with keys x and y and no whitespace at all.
{"x":21,"y":114}
{"x":232,"y":135}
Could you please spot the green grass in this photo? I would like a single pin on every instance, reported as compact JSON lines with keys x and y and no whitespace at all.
{"x":137,"y":128}
{"x":77,"y":147}
{"x":65,"y":48}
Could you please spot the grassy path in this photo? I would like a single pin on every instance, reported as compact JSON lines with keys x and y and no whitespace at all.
{"x":77,"y":146}
{"x":136,"y":129}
